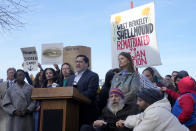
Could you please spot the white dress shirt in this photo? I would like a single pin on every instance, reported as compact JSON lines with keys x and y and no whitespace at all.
{"x":77,"y":77}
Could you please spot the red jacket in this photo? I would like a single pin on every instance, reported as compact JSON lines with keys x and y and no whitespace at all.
{"x":185,"y":85}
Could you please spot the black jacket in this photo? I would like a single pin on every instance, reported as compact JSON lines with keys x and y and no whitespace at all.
{"x":111,"y":119}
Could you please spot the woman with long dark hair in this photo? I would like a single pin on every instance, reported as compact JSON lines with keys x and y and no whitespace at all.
{"x":49,"y":78}
{"x":127,"y":79}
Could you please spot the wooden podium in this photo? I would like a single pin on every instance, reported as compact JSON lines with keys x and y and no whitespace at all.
{"x":59,"y":108}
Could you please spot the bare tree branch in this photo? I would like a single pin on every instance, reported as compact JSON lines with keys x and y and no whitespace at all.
{"x":10,"y":13}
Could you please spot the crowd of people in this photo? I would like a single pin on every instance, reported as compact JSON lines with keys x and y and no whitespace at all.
{"x":127,"y":101}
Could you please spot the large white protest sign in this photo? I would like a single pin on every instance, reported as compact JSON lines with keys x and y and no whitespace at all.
{"x":133,"y":31}
{"x":52,"y":53}
{"x":30,"y":59}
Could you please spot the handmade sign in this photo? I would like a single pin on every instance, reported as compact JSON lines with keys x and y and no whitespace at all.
{"x":133,"y":31}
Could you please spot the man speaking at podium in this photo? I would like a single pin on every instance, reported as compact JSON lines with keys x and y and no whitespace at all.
{"x":87,"y":83}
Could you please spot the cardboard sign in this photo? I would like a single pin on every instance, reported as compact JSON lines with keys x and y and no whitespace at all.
{"x":133,"y":31}
{"x":30,"y":59}
{"x":70,"y":53}
{"x":52,"y":53}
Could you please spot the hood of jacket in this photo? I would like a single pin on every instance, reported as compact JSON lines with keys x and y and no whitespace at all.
{"x":163,"y":103}
{"x":186,"y":85}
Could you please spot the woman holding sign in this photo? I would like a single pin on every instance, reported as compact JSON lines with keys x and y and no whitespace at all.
{"x":127,"y":79}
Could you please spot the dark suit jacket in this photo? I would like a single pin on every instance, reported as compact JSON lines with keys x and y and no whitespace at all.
{"x":87,"y":85}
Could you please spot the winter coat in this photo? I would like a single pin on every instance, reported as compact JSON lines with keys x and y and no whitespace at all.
{"x":112,"y":118}
{"x":156,"y":117}
{"x":129,"y":83}
{"x":177,"y":110}
{"x":18,"y":98}
{"x":186,"y":102}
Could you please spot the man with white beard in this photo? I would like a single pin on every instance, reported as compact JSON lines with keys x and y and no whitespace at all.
{"x":115,"y":111}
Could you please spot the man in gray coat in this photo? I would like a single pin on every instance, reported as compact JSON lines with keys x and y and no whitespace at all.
{"x":3,"y":88}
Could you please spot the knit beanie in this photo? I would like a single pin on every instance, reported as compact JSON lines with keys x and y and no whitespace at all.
{"x":149,"y":95}
{"x":117,"y":91}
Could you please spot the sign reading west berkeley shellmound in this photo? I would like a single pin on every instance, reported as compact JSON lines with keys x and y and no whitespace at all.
{"x":133,"y":31}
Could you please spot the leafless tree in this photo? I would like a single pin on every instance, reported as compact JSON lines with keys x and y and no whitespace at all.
{"x":10,"y":13}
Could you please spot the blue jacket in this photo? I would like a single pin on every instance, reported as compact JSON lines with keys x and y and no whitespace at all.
{"x":176,"y":110}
